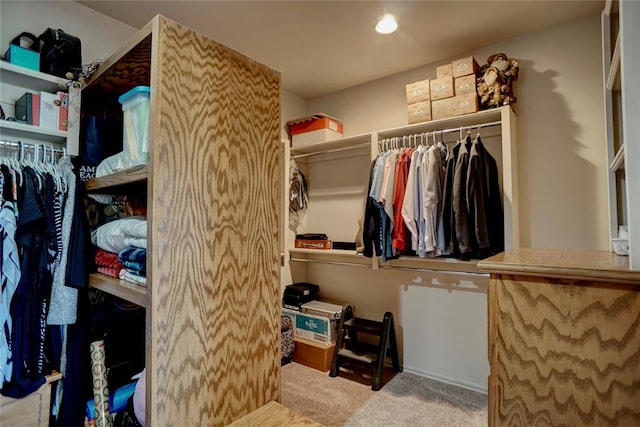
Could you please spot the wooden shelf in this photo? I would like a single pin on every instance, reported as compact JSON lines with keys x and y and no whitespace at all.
{"x":131,"y":292}
{"x":563,"y":264}
{"x":123,"y":177}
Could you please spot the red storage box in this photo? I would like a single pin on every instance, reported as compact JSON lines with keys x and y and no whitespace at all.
{"x":314,"y":129}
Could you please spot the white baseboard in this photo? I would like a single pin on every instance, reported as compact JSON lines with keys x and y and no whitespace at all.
{"x":453,"y":381}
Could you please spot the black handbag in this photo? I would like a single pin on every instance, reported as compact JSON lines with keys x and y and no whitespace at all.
{"x":60,"y":52}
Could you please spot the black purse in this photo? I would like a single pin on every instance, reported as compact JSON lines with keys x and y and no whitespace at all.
{"x":60,"y":52}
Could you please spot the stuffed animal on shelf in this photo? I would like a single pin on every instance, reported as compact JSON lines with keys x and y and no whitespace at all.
{"x":495,"y":81}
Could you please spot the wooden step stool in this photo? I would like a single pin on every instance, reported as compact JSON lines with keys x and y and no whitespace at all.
{"x":349,"y":348}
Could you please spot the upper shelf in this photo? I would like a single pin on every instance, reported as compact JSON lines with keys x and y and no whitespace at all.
{"x":123,"y":177}
{"x":17,"y":130}
{"x":348,"y":143}
{"x":362,"y":141}
{"x":34,"y":80}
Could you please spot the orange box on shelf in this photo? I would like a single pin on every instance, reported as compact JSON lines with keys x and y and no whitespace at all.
{"x":465,"y":66}
{"x":313,"y":129}
{"x":316,"y":123}
{"x":313,"y":354}
{"x":312,"y":244}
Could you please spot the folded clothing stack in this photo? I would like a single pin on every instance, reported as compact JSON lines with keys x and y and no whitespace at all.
{"x":108,"y":264}
{"x":134,"y":260}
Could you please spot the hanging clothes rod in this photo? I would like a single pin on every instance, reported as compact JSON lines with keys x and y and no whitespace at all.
{"x":415,"y":270}
{"x":435,"y":271}
{"x":433,"y":133}
{"x":318,"y":261}
{"x":40,"y":151}
{"x":333,"y":150}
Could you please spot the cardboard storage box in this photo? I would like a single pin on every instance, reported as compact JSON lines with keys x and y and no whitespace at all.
{"x":418,"y":91}
{"x":322,"y":309}
{"x":465,"y":66}
{"x":419,"y":112}
{"x":465,"y":104}
{"x":312,"y":354}
{"x":313,"y":129}
{"x":442,"y":108}
{"x":312,"y":244}
{"x":465,"y":84}
{"x":441,"y":88}
{"x":445,"y":70}
{"x":23,"y":57}
{"x":313,"y":328}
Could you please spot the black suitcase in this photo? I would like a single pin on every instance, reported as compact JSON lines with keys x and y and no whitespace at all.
{"x":286,"y":340}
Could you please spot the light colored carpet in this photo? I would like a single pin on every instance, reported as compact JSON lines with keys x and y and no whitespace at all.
{"x":406,"y":400}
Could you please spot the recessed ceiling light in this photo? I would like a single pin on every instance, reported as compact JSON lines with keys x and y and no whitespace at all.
{"x":387,"y":24}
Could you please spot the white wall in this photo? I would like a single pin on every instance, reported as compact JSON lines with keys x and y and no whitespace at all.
{"x":562,"y":173}
{"x":561,"y":150}
{"x":442,"y":318}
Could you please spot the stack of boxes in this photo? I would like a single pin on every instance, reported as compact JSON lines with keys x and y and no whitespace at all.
{"x":452,"y":93}
{"x":315,"y":325}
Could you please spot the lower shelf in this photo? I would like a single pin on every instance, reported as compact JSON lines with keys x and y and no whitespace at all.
{"x":121,"y":288}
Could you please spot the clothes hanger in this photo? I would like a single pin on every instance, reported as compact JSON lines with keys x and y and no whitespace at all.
{"x":478,"y":140}
{"x":49,"y":167}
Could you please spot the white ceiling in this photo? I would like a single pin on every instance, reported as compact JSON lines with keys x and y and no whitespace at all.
{"x":326,"y":46}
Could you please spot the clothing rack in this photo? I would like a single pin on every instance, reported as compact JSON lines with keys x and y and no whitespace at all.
{"x":403,"y":141}
{"x":31,"y":151}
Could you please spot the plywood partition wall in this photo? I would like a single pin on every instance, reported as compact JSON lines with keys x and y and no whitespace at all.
{"x":213,"y":316}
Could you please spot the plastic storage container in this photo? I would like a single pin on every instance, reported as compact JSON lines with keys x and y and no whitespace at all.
{"x":135,"y":125}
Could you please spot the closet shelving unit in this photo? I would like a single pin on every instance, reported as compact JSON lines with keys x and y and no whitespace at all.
{"x":16,"y":80}
{"x":212,"y":297}
{"x":121,"y":288}
{"x":502,"y":146}
{"x":620,"y":35}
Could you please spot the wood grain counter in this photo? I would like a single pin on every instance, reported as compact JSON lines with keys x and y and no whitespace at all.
{"x":273,"y":414}
{"x":564,"y":338}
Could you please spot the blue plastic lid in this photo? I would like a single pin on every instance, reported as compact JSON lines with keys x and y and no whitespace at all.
{"x":133,"y":92}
